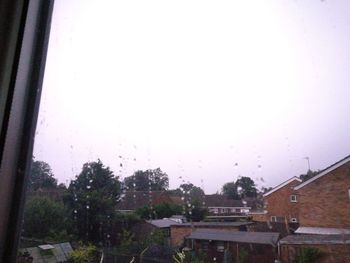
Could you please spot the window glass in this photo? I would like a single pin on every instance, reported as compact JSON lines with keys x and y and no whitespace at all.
{"x":156,"y":113}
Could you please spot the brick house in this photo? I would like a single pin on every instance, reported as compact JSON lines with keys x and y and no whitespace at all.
{"x":281,"y":202}
{"x":324,"y":200}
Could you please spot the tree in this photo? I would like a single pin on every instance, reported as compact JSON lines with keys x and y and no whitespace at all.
{"x":154,"y":180}
{"x":161,"y":210}
{"x":243,"y":187}
{"x":230,"y":189}
{"x":41,"y":176}
{"x":194,"y":192}
{"x":43,"y":218}
{"x":246,"y":187}
{"x":308,"y":175}
{"x":196,"y":212}
{"x":91,"y":199}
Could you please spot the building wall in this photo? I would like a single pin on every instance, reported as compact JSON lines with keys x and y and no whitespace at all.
{"x":325,"y":202}
{"x":258,"y":217}
{"x":328,"y":253}
{"x":278,"y":203}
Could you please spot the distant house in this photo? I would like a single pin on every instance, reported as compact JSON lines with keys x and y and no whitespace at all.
{"x":133,"y":200}
{"x":221,"y":207}
{"x":221,"y":246}
{"x":281,"y":202}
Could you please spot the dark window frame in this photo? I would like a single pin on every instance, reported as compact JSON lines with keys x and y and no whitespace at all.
{"x":24,"y":34}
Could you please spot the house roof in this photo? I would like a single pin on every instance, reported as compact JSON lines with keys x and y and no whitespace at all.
{"x":215,"y":224}
{"x":315,"y":239}
{"x":266,"y":238}
{"x":217,"y":200}
{"x":162,"y":223}
{"x":322,"y":230}
{"x":324,"y":172}
{"x":282,"y":185}
{"x":138,"y":199}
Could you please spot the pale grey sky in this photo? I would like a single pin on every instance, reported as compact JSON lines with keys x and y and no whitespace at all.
{"x":196,"y":87}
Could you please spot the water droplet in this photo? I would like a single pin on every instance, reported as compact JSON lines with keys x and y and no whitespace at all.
{"x":236,"y":164}
{"x":88,"y":186}
{"x":121,"y":165}
{"x":75,"y":211}
{"x":87,"y":207}
{"x":91,"y":181}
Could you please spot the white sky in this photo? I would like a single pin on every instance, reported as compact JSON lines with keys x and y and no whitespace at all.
{"x":194,"y":87}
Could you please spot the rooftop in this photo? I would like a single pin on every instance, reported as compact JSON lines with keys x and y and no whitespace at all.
{"x":322,"y":230}
{"x":214,"y":224}
{"x":163,"y":223}
{"x":325,"y":171}
{"x":316,"y":239}
{"x":266,"y":238}
{"x":217,"y":200}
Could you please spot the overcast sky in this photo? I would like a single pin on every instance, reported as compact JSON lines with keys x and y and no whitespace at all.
{"x":205,"y":90}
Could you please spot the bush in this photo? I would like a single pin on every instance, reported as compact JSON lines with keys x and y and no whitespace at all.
{"x":308,"y":255}
{"x":84,"y":254}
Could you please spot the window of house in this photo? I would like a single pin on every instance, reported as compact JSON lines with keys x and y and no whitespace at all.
{"x":293,"y":198}
{"x":349,"y":193}
{"x":273,"y":219}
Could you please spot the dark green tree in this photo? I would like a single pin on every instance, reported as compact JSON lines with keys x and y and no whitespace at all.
{"x":230,"y":189}
{"x":91,"y":200}
{"x":196,"y":212}
{"x":41,"y":176}
{"x":247,"y":187}
{"x":161,"y":210}
{"x":308,"y":175}
{"x":43,"y":218}
{"x":195,"y":193}
{"x":155,"y":180}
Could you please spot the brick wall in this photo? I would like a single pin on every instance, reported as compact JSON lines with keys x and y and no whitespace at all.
{"x":328,"y":253}
{"x":325,"y":201}
{"x":278,"y":203}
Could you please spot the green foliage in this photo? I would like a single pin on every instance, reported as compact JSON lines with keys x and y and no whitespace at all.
{"x":308,"y":175}
{"x":230,"y":189}
{"x":308,"y":255}
{"x":196,"y":212}
{"x":248,"y":187}
{"x":243,"y":187}
{"x":155,"y":180}
{"x":41,"y":176}
{"x":84,"y":254}
{"x":43,"y":218}
{"x":126,"y":241}
{"x":91,"y":200}
{"x":163,"y":209}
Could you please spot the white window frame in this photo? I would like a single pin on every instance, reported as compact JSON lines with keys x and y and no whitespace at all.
{"x":273,"y":218}
{"x":293,"y":200}
{"x":349,"y":193}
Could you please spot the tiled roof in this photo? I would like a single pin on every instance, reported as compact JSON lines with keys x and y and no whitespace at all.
{"x":216,"y":200}
{"x":215,"y":224}
{"x":267,"y":238}
{"x":138,"y":199}
{"x":282,"y":185}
